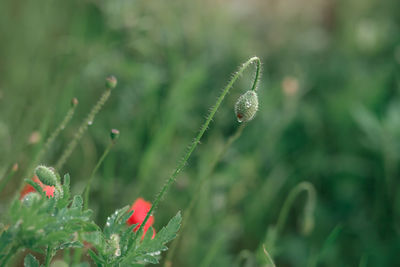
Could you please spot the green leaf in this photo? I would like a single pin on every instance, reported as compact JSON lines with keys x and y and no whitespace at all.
{"x":6,"y":239}
{"x":66,"y":180}
{"x":77,"y":202}
{"x":169,"y":232}
{"x":95,"y":258}
{"x":150,"y":249}
{"x":37,"y":187}
{"x":30,"y":261}
{"x":116,"y":222}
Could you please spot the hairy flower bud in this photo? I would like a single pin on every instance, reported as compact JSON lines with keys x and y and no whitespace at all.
{"x":111,"y":82}
{"x":46,"y":175}
{"x":246,"y":106}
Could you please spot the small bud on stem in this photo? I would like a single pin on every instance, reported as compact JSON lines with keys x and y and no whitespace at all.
{"x":74,"y":102}
{"x":46,"y":175}
{"x":111,"y":82}
{"x":114,"y":135}
{"x":15,"y":167}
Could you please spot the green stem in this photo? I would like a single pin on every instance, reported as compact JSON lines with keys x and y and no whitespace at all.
{"x":268,"y":256}
{"x":203,"y":128}
{"x":89,"y":182}
{"x":52,"y":137}
{"x":13,"y":251}
{"x":5,"y":180}
{"x":303,"y":186}
{"x":197,"y":189}
{"x":49,"y":256}
{"x":82,"y":129}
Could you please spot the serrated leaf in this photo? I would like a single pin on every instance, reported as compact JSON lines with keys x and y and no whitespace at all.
{"x":66,"y":180}
{"x":77,"y":202}
{"x":94,"y":238}
{"x":66,"y":191}
{"x":31,"y":261}
{"x":169,"y":232}
{"x":95,"y":257}
{"x":116,"y":222}
{"x":37,"y":187}
{"x":149,"y":249}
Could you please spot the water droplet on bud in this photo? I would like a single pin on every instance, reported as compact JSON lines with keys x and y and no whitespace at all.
{"x":246,"y":106}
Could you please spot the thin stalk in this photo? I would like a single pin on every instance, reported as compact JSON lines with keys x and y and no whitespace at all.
{"x":11,"y":253}
{"x":89,"y":182}
{"x":49,"y":142}
{"x":197,"y":189}
{"x":82,"y":129}
{"x":268,"y":256}
{"x":49,"y":256}
{"x":6,"y":179}
{"x":309,"y":208}
{"x":196,"y":141}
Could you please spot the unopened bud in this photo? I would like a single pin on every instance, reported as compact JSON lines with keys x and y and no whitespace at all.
{"x":34,"y":138}
{"x":246,"y":106}
{"x":114,"y":134}
{"x":111,"y":82}
{"x":74,"y":102}
{"x":46,"y":175}
{"x":15,"y":167}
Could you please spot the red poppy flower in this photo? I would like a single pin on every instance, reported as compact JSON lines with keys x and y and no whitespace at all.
{"x":49,"y":190}
{"x":140,"y":209}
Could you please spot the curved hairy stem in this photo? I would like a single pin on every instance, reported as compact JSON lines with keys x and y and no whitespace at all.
{"x":53,"y":136}
{"x":188,"y":211}
{"x":308,"y":209}
{"x":82,"y":129}
{"x":172,"y":178}
{"x":89,"y":182}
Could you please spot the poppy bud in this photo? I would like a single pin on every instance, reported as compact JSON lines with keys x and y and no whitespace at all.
{"x":111,"y":82}
{"x":46,"y":175}
{"x":15,"y":167}
{"x":74,"y":102}
{"x":114,"y":134}
{"x":246,"y":106}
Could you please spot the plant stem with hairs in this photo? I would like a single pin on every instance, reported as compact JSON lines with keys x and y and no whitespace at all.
{"x":308,"y":222}
{"x":204,"y":127}
{"x":197,"y":189}
{"x":110,"y":84}
{"x":268,"y":256}
{"x":53,"y":136}
{"x":89,"y":182}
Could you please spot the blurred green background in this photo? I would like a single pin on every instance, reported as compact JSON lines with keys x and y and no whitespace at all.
{"x":329,"y":114}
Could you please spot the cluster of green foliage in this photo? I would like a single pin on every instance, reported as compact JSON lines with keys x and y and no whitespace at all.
{"x":47,"y":225}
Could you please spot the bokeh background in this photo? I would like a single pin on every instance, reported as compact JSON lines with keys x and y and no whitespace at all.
{"x":329,"y":114}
